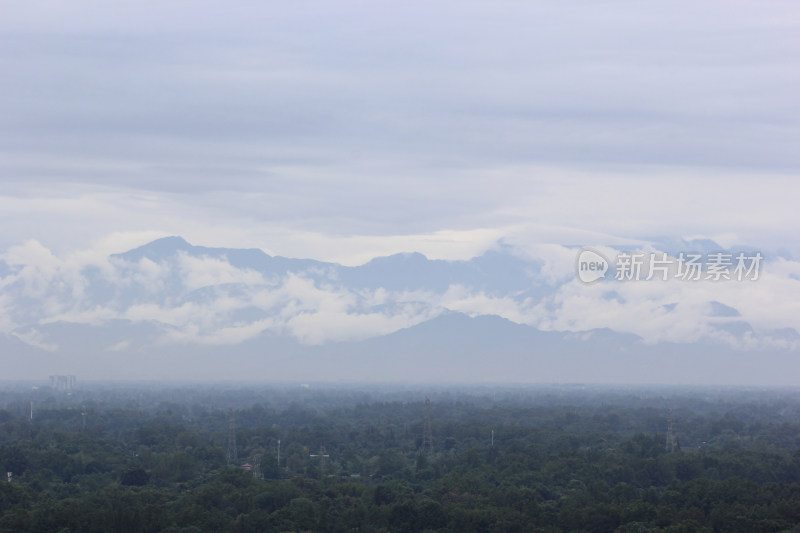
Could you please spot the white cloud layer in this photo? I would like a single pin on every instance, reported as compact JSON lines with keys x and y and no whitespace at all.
{"x":204,"y":299}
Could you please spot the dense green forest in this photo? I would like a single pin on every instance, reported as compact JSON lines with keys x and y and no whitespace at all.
{"x":153,"y":458}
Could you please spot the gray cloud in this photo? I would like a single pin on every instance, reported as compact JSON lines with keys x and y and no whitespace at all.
{"x":459,"y":84}
{"x":242,"y":123}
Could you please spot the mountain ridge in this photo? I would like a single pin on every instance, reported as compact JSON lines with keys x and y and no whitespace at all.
{"x":193,"y":311}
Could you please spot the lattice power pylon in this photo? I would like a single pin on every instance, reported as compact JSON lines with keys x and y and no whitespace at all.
{"x":427,"y":435}
{"x":232,"y":455}
{"x":672,"y":441}
{"x":322,"y":455}
{"x":257,"y":473}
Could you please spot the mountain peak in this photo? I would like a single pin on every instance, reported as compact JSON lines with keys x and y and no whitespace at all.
{"x":399,"y":258}
{"x":157,"y":249}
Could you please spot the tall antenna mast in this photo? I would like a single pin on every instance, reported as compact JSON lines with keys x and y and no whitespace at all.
{"x":427,"y":436}
{"x":231,"y":455}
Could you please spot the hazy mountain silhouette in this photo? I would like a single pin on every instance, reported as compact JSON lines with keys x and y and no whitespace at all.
{"x":129,"y":333}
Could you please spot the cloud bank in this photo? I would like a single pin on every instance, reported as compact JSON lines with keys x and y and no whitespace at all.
{"x":210,"y":296}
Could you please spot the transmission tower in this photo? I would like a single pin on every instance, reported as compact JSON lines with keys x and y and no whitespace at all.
{"x":427,"y":436}
{"x":257,"y":467}
{"x":231,"y":456}
{"x":671,"y":439}
{"x":83,"y":419}
{"x":322,"y":455}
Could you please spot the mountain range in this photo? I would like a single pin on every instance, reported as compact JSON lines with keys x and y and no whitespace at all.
{"x":171,"y":310}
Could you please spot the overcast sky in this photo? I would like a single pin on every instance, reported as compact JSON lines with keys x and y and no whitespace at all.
{"x":344,"y":130}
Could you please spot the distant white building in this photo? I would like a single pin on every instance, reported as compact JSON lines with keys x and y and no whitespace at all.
{"x":63,"y":382}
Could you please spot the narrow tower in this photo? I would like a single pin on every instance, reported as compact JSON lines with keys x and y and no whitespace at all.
{"x":231,"y":455}
{"x":322,"y":455}
{"x":257,"y":467}
{"x":427,"y":436}
{"x":671,"y":440}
